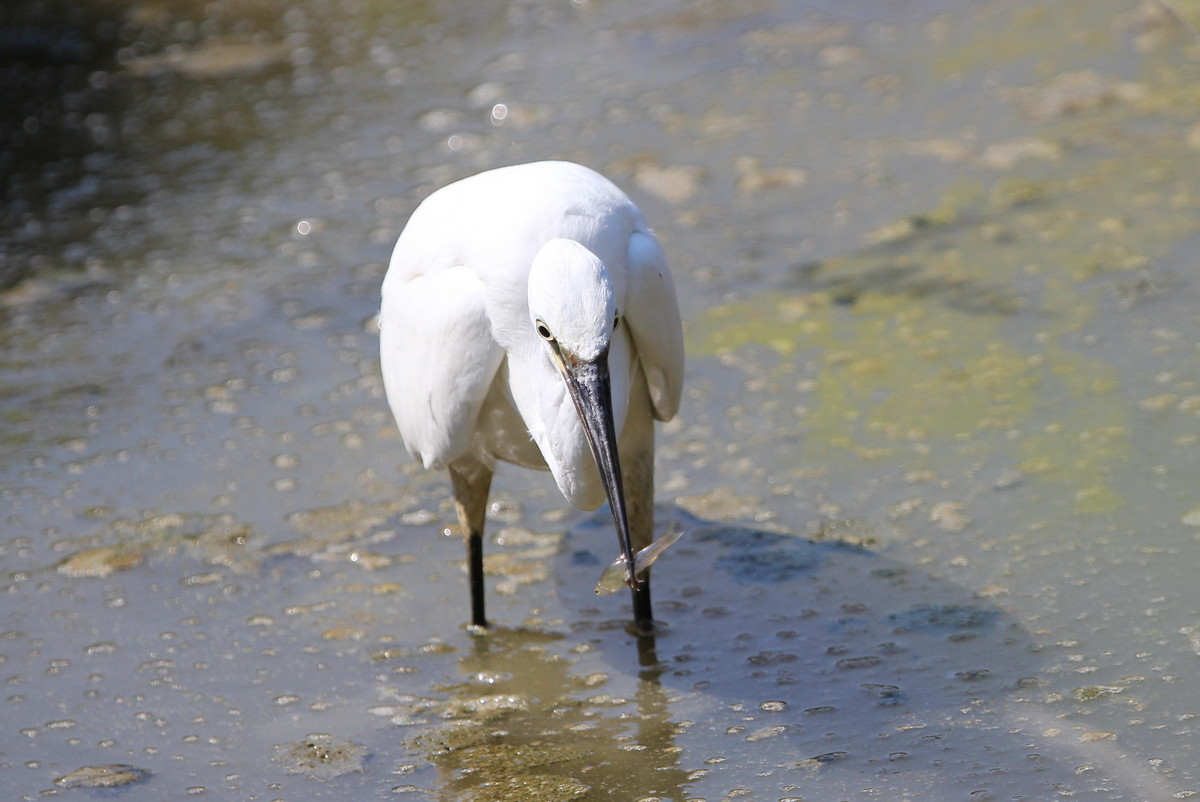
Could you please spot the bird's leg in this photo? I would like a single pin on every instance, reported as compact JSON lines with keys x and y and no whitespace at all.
{"x":640,"y":505}
{"x":472,"y":480}
{"x":637,"y":476}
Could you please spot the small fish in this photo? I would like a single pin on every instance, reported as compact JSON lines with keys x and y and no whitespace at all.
{"x":617,"y":574}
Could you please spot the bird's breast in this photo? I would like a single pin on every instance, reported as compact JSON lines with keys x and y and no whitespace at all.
{"x":537,"y":398}
{"x":501,"y":432}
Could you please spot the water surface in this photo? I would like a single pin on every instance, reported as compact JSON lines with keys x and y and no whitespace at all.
{"x":934,"y":466}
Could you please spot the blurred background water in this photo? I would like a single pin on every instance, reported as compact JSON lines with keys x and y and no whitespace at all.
{"x":935,"y":465}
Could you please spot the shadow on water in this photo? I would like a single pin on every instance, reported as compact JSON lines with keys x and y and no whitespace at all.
{"x":785,"y":666}
{"x":804,"y":667}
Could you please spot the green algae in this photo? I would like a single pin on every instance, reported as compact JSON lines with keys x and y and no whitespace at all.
{"x":129,"y":543}
{"x":1002,"y":35}
{"x":892,"y":372}
{"x":965,"y":326}
{"x":1090,"y":693}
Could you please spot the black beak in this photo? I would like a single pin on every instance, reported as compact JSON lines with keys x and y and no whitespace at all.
{"x":588,"y":383}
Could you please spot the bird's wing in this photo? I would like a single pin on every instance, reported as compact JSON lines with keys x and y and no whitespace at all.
{"x":438,"y":358}
{"x":652,"y":313}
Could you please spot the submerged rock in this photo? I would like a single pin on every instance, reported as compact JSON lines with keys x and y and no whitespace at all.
{"x":321,"y":756}
{"x":101,"y":562}
{"x":112,"y":775}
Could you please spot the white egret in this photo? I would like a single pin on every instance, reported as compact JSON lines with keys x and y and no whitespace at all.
{"x":529,"y":317}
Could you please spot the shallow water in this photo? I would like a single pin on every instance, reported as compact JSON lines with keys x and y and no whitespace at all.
{"x":934,"y":467}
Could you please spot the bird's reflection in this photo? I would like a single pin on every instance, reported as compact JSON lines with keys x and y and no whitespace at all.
{"x":520,"y":715}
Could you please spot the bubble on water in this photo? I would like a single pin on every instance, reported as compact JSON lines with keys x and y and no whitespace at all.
{"x":436,"y":646}
{"x":225,"y":406}
{"x":489,"y":677}
{"x":286,"y":462}
{"x":419,"y":518}
{"x":209,"y":578}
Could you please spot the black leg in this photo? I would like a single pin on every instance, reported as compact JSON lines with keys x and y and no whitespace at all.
{"x":472,"y":480}
{"x":475,"y":578}
{"x":643,"y":615}
{"x":637,"y":474}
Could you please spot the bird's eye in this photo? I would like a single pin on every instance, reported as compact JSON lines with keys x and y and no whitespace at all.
{"x":544,"y":332}
{"x":616,"y":320}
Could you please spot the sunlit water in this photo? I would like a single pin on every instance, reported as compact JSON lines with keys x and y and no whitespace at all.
{"x":935,"y":468}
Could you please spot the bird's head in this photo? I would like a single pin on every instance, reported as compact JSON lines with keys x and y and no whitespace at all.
{"x":573,"y":310}
{"x":572,"y":300}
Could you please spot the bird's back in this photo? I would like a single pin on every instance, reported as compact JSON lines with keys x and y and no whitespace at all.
{"x":496,"y":221}
{"x":454,"y":298}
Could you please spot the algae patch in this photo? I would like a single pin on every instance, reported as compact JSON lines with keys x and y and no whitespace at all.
{"x":216,"y":539}
{"x":101,"y":562}
{"x":321,"y":756}
{"x":965,"y":330}
{"x":893,"y":377}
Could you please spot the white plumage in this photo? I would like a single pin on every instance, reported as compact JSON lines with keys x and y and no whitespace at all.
{"x":508,"y":294}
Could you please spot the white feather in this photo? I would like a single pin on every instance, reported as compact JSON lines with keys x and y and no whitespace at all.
{"x":463,"y":365}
